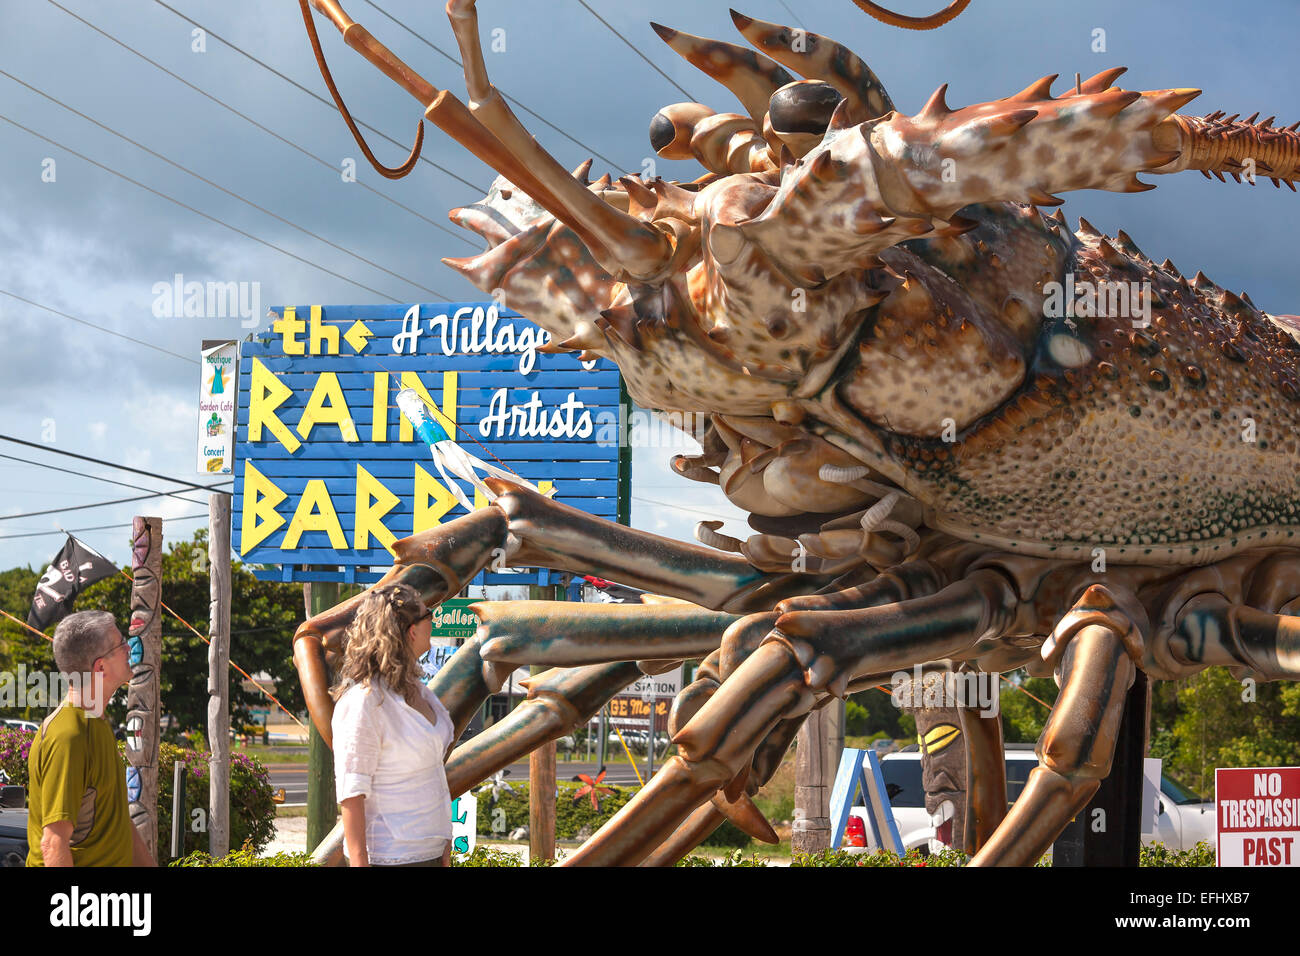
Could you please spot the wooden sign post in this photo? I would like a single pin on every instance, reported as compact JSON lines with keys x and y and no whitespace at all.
{"x":219,"y":674}
{"x":143,"y":699}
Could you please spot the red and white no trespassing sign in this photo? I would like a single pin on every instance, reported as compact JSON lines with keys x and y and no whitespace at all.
{"x":1258,"y":813}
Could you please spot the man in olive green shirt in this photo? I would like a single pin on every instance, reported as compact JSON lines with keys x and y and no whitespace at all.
{"x":77,"y":809}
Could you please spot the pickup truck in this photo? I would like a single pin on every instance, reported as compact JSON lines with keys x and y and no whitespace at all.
{"x":1185,"y":819}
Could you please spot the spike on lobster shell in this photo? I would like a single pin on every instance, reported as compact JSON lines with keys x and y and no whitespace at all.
{"x":935,"y":107}
{"x":1102,"y":81}
{"x":1087,"y":228}
{"x":1040,"y":89}
{"x":581,"y":171}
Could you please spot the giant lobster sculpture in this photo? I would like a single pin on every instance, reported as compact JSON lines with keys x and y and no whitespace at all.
{"x":950,"y":445}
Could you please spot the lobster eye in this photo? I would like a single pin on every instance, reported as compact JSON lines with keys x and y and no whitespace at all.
{"x":673,"y":126}
{"x":803,"y":107}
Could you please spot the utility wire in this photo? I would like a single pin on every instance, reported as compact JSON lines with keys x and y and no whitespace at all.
{"x":665,"y":504}
{"x":111,"y":481}
{"x":222,"y":103}
{"x":102,"y":527}
{"x":536,"y":116}
{"x":109,"y":464}
{"x":309,"y":92}
{"x":142,"y":56}
{"x":98,"y":504}
{"x":148,"y":345}
{"x":631,"y":46}
{"x":198,"y":212}
{"x":234,"y":195}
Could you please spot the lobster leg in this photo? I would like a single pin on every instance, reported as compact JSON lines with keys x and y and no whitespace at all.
{"x":524,"y":529}
{"x":1096,"y":669}
{"x":1211,"y":631}
{"x":808,"y":652}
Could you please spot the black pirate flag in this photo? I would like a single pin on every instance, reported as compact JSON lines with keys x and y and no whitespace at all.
{"x":73,"y":569}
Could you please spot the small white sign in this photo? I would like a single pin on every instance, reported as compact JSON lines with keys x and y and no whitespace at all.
{"x":659,"y":686}
{"x":464,"y":823}
{"x":218,"y":386}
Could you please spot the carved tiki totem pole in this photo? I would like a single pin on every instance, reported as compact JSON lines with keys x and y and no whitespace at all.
{"x":142,"y":697}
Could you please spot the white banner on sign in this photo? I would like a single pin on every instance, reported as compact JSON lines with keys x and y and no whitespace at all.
{"x":218,"y":383}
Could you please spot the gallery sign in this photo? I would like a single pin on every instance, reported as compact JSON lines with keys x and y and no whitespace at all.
{"x":329,"y":473}
{"x":218,"y":381}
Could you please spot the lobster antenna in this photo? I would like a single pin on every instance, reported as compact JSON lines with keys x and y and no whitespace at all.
{"x":931,"y":22}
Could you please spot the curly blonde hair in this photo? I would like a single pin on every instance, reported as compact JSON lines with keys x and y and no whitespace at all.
{"x":376,"y":645}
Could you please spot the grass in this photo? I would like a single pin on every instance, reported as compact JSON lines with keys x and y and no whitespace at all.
{"x":282,"y":753}
{"x":285,"y":813}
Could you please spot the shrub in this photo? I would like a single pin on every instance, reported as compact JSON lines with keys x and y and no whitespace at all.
{"x":14,"y":747}
{"x":735,"y":858}
{"x":485,"y":856}
{"x":1157,"y":854}
{"x":729,"y":835}
{"x":244,"y":856}
{"x":252,"y":811}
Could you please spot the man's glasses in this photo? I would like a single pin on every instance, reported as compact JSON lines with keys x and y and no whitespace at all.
{"x":115,"y":648}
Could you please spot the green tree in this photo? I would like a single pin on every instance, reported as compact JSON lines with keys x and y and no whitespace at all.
{"x":1023,"y":717}
{"x":264,"y":615}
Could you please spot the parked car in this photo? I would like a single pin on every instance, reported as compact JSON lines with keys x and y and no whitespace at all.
{"x":13,"y":826}
{"x":20,"y":724}
{"x":1184,"y":818}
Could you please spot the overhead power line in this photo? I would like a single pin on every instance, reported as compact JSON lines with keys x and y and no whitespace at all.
{"x":537,"y":116}
{"x":110,"y":464}
{"x":97,"y":504}
{"x":110,"y":481}
{"x":633,"y":47}
{"x":228,"y":192}
{"x":102,"y":527}
{"x":199,"y":212}
{"x":148,"y":345}
{"x":334,"y":169}
{"x":430,"y":162}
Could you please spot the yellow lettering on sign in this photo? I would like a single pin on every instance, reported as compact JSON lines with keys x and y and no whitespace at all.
{"x":320,"y":332}
{"x":327,"y":406}
{"x":260,"y":517}
{"x":432,"y":501}
{"x":266,"y":393}
{"x":370,"y":517}
{"x":315,"y":512}
{"x":290,"y":327}
{"x":446,"y":417}
{"x":379,"y":408}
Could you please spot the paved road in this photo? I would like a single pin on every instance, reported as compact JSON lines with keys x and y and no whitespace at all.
{"x":293,"y":777}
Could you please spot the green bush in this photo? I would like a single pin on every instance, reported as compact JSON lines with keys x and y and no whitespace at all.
{"x":735,"y":858}
{"x":14,"y":746}
{"x":948,"y":857}
{"x":728,"y":835}
{"x":1157,"y":854}
{"x":485,"y":856}
{"x":245,"y":857}
{"x":570,"y":815}
{"x":252,"y":811}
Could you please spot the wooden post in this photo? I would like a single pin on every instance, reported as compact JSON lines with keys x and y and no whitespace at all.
{"x":219,"y":674}
{"x":541,"y":778}
{"x":811,"y":829}
{"x":143,"y":700}
{"x":322,"y":805}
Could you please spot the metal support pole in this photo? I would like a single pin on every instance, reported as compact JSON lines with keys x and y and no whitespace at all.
{"x":178,"y":811}
{"x":541,"y":779}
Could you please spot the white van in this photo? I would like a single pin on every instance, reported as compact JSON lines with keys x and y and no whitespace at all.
{"x":1185,"y":819}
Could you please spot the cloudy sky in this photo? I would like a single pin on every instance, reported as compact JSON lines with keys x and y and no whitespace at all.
{"x":80,"y":239}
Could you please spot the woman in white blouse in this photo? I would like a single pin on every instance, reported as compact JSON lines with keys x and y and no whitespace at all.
{"x":391,"y":735}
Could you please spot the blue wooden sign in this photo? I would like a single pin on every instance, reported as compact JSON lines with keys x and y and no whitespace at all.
{"x":329,"y":473}
{"x":860,"y":770}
